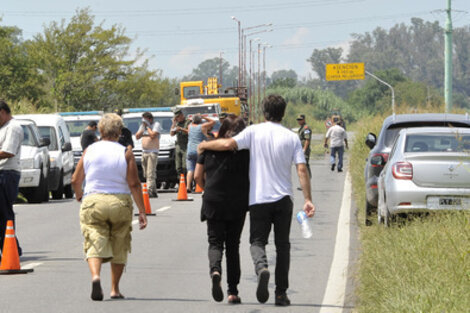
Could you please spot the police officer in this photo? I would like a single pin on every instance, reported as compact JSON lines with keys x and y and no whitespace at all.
{"x":180,"y":129}
{"x":305,"y":135}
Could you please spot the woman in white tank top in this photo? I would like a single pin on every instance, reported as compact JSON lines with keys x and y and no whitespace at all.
{"x":106,"y":210}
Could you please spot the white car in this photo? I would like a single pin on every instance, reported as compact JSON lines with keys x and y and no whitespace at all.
{"x":53,"y":127}
{"x":76,"y":123}
{"x":428,"y":169}
{"x":35,"y":164}
{"x":166,"y":172}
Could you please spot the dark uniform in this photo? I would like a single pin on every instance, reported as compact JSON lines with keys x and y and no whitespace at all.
{"x":305,"y":133}
{"x":181,"y":147}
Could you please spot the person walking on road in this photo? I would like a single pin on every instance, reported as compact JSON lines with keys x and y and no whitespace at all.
{"x":197,"y":131}
{"x":273,"y":150}
{"x":305,"y":136}
{"x":88,"y":135}
{"x":338,"y":140}
{"x":224,"y":176}
{"x":150,"y":131}
{"x":11,"y":137}
{"x":106,"y":210}
{"x":180,"y":129}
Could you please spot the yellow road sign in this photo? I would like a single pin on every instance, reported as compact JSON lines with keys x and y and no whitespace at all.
{"x":345,"y":71}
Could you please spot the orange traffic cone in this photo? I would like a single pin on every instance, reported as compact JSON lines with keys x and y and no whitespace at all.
{"x":10,"y":257}
{"x":145,"y":194}
{"x":182,"y":192}
{"x":199,"y":189}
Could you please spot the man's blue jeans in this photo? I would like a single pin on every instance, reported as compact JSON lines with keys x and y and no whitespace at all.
{"x":9,"y":181}
{"x":339,"y":151}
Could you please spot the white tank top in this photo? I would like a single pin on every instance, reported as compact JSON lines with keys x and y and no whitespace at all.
{"x":105,"y":168}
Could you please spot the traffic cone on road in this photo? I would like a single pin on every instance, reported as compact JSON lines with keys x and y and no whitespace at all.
{"x":145,"y":194}
{"x":182,"y":192}
{"x":199,"y":189}
{"x":10,"y":257}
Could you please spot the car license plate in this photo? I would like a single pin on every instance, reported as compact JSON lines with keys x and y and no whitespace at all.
{"x":450,"y":202}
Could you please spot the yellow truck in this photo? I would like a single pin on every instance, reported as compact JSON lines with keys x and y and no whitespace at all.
{"x":230,"y":102}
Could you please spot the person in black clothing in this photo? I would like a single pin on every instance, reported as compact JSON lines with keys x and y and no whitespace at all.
{"x":89,"y":135}
{"x":224,"y":176}
{"x":125,"y":138}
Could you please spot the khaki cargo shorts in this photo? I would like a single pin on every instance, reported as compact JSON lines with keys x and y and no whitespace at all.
{"x":106,"y":224}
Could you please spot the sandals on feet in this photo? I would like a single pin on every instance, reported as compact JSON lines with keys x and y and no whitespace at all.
{"x":96,"y":291}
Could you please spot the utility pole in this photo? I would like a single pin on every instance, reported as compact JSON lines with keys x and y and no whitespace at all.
{"x":220,"y":68}
{"x":448,"y":59}
{"x":386,"y":84}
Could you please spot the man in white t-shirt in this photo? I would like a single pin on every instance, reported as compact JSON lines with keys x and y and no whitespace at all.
{"x":273,"y":150}
{"x":149,"y":131}
{"x":338,"y":140}
{"x":11,"y":137}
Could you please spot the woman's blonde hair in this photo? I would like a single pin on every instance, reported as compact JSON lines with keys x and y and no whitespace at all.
{"x":110,"y":126}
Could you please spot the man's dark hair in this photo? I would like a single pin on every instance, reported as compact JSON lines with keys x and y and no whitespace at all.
{"x":148,"y":115}
{"x":274,"y":107}
{"x":92,"y":123}
{"x":4,"y":106}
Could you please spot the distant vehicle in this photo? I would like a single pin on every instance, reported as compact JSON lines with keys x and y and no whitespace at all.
{"x":166,"y":171}
{"x":381,"y":146}
{"x":35,"y":164}
{"x":428,"y":169}
{"x":53,"y":127}
{"x":76,"y":123}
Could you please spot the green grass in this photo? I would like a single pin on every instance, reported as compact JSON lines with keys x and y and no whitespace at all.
{"x":417,"y":265}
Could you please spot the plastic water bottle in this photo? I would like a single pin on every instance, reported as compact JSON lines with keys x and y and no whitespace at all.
{"x":304,"y":222}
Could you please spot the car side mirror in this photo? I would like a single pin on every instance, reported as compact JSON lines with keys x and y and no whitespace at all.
{"x":378,"y":160}
{"x":67,"y":147}
{"x":45,"y":142}
{"x":371,"y":140}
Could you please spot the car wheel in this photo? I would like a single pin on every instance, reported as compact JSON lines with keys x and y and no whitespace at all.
{"x":59,"y":193}
{"x":166,"y":185}
{"x":387,"y":218}
{"x":172,"y":185}
{"x":68,"y":191}
{"x":159,"y":185}
{"x":368,"y":211}
{"x":37,"y":194}
{"x":46,"y":190}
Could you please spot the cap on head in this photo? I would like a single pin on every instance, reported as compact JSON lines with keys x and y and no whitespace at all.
{"x":300,"y":117}
{"x":178,"y":111}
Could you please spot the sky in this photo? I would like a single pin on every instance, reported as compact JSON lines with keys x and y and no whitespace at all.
{"x":177,"y":36}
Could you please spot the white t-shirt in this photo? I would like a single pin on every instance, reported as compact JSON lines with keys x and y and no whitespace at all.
{"x":11,"y":137}
{"x":273,"y":150}
{"x":336,"y":134}
{"x":156,"y":128}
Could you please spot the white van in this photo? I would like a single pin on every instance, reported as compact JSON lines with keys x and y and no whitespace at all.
{"x":53,"y":126}
{"x":76,"y":123}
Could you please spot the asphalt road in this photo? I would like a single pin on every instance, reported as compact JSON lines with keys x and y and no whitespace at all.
{"x":168,"y":269}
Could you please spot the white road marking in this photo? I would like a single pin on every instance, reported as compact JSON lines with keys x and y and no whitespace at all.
{"x":162,"y":209}
{"x":333,"y":300}
{"x":30,"y":265}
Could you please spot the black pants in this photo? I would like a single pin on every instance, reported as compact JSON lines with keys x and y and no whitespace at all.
{"x":9,"y":181}
{"x":279,"y":214}
{"x":222,"y":232}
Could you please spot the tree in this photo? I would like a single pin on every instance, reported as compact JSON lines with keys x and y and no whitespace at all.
{"x":18,"y":76}
{"x":284,"y":78}
{"x":213,"y":68}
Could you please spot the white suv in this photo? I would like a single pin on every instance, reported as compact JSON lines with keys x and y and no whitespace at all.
{"x":35,"y":164}
{"x":53,"y":126}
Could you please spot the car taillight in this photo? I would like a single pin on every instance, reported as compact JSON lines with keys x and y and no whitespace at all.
{"x":379,"y":159}
{"x":402,"y":170}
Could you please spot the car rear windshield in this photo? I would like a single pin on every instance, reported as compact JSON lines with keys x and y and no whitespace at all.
{"x":437,"y":143}
{"x":393,"y":130}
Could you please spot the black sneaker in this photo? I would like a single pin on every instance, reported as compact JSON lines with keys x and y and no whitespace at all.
{"x":217,"y":292}
{"x":340,"y":170}
{"x":333,"y":167}
{"x":282,"y":300}
{"x":262,"y":292}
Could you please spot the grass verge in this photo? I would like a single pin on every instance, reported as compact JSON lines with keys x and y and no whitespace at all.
{"x":418,"y":265}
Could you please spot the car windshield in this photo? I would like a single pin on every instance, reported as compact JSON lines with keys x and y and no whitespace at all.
{"x":191,"y":91}
{"x":77,"y":127}
{"x":133,"y":123}
{"x":437,"y":143}
{"x":28,"y":137}
{"x":48,"y":132}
